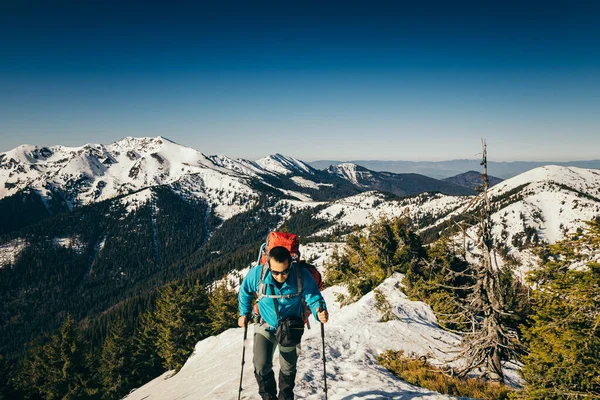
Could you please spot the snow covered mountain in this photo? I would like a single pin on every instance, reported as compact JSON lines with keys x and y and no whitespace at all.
{"x":97,"y":172}
{"x":398,"y":184}
{"x":172,"y":211}
{"x":549,"y":201}
{"x":539,"y":206}
{"x":76,"y":176}
{"x":284,"y":165}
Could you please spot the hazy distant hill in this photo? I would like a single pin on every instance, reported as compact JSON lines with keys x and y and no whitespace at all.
{"x":471,"y":179}
{"x":445,"y":169}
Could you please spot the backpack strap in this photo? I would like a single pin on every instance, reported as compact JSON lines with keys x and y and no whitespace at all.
{"x":262,"y":287}
{"x":300,"y":279}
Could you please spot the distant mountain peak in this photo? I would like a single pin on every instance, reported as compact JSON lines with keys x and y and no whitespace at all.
{"x":284,"y":165}
{"x":471,"y":179}
{"x":351,"y":172}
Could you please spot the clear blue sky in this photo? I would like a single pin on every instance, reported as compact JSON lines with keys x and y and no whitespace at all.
{"x":345,"y":81}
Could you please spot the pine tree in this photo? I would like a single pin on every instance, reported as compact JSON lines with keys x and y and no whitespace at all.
{"x":7,"y":380}
{"x":115,"y":369}
{"x":146,"y":363}
{"x":437,"y":280}
{"x":369,"y":258}
{"x":59,"y":369}
{"x":564,"y":339}
{"x":180,"y":322}
{"x":222,"y":309}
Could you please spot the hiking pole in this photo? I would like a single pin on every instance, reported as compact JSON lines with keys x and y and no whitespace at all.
{"x":243,"y":356}
{"x":323,"y":340}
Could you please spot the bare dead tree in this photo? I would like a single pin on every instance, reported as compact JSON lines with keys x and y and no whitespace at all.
{"x":489,"y":342}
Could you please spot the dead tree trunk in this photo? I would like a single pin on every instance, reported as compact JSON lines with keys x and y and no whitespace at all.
{"x":490,"y":342}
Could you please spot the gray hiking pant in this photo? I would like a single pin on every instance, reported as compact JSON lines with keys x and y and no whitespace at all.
{"x":264,"y":348}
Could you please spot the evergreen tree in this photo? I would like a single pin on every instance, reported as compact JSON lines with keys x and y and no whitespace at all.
{"x":146,"y":364}
{"x":180,"y":322}
{"x":437,"y":280}
{"x":369,"y":258}
{"x":7,"y":380}
{"x":115,"y":362}
{"x":59,"y":369}
{"x":564,"y":339}
{"x":222,"y":309}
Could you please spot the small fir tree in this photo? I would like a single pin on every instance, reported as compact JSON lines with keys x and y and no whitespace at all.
{"x":146,"y":364}
{"x":222,"y":309}
{"x":369,"y":258}
{"x":115,"y":358}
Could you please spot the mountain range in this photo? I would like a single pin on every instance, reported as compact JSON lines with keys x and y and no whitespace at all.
{"x":94,"y":231}
{"x":446,"y":169}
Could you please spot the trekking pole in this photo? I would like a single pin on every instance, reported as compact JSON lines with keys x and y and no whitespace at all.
{"x":324,"y":367}
{"x":243,"y":357}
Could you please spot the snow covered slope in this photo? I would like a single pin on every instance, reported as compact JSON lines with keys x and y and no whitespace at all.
{"x":96,"y":172}
{"x":284,"y":165}
{"x":354,"y":338}
{"x":352,"y":172}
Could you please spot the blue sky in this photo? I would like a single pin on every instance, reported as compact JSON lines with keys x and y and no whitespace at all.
{"x":390,"y":81}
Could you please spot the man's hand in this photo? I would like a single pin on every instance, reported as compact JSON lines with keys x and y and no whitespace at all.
{"x":242,"y":321}
{"x":323,"y":316}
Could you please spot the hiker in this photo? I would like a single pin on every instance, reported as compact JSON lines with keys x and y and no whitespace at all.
{"x":281,"y":311}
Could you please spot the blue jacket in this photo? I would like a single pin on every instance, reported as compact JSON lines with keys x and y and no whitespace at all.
{"x":287,"y":306}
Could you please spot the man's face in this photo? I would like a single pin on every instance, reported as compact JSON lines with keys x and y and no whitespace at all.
{"x":279,"y":270}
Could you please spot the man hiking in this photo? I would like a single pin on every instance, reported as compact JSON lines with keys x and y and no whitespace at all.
{"x":281,"y":290}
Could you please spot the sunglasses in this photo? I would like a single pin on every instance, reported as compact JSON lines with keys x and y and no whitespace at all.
{"x":284,"y":272}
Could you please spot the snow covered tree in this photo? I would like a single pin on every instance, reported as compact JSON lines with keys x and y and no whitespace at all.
{"x":115,"y":362}
{"x":564,"y":339}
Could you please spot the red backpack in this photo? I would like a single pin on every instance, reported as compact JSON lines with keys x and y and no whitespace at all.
{"x":291,"y":242}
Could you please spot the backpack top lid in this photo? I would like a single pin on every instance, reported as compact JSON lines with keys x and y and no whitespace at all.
{"x":288,"y":240}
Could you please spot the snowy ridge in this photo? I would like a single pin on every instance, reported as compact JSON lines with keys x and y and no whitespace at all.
{"x":96,"y":172}
{"x":354,"y":338}
{"x":580,"y":179}
{"x":284,"y":165}
{"x":364,"y":208}
{"x":351,"y":172}
{"x":238,"y":165}
{"x":136,"y":200}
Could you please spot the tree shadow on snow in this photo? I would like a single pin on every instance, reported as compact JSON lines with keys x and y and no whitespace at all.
{"x":404,"y":395}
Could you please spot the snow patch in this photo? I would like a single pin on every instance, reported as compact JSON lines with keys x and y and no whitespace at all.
{"x":136,"y":200}
{"x":73,"y":243}
{"x":10,"y":251}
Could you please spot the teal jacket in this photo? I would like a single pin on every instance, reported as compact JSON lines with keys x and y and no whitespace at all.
{"x":288,"y":307}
